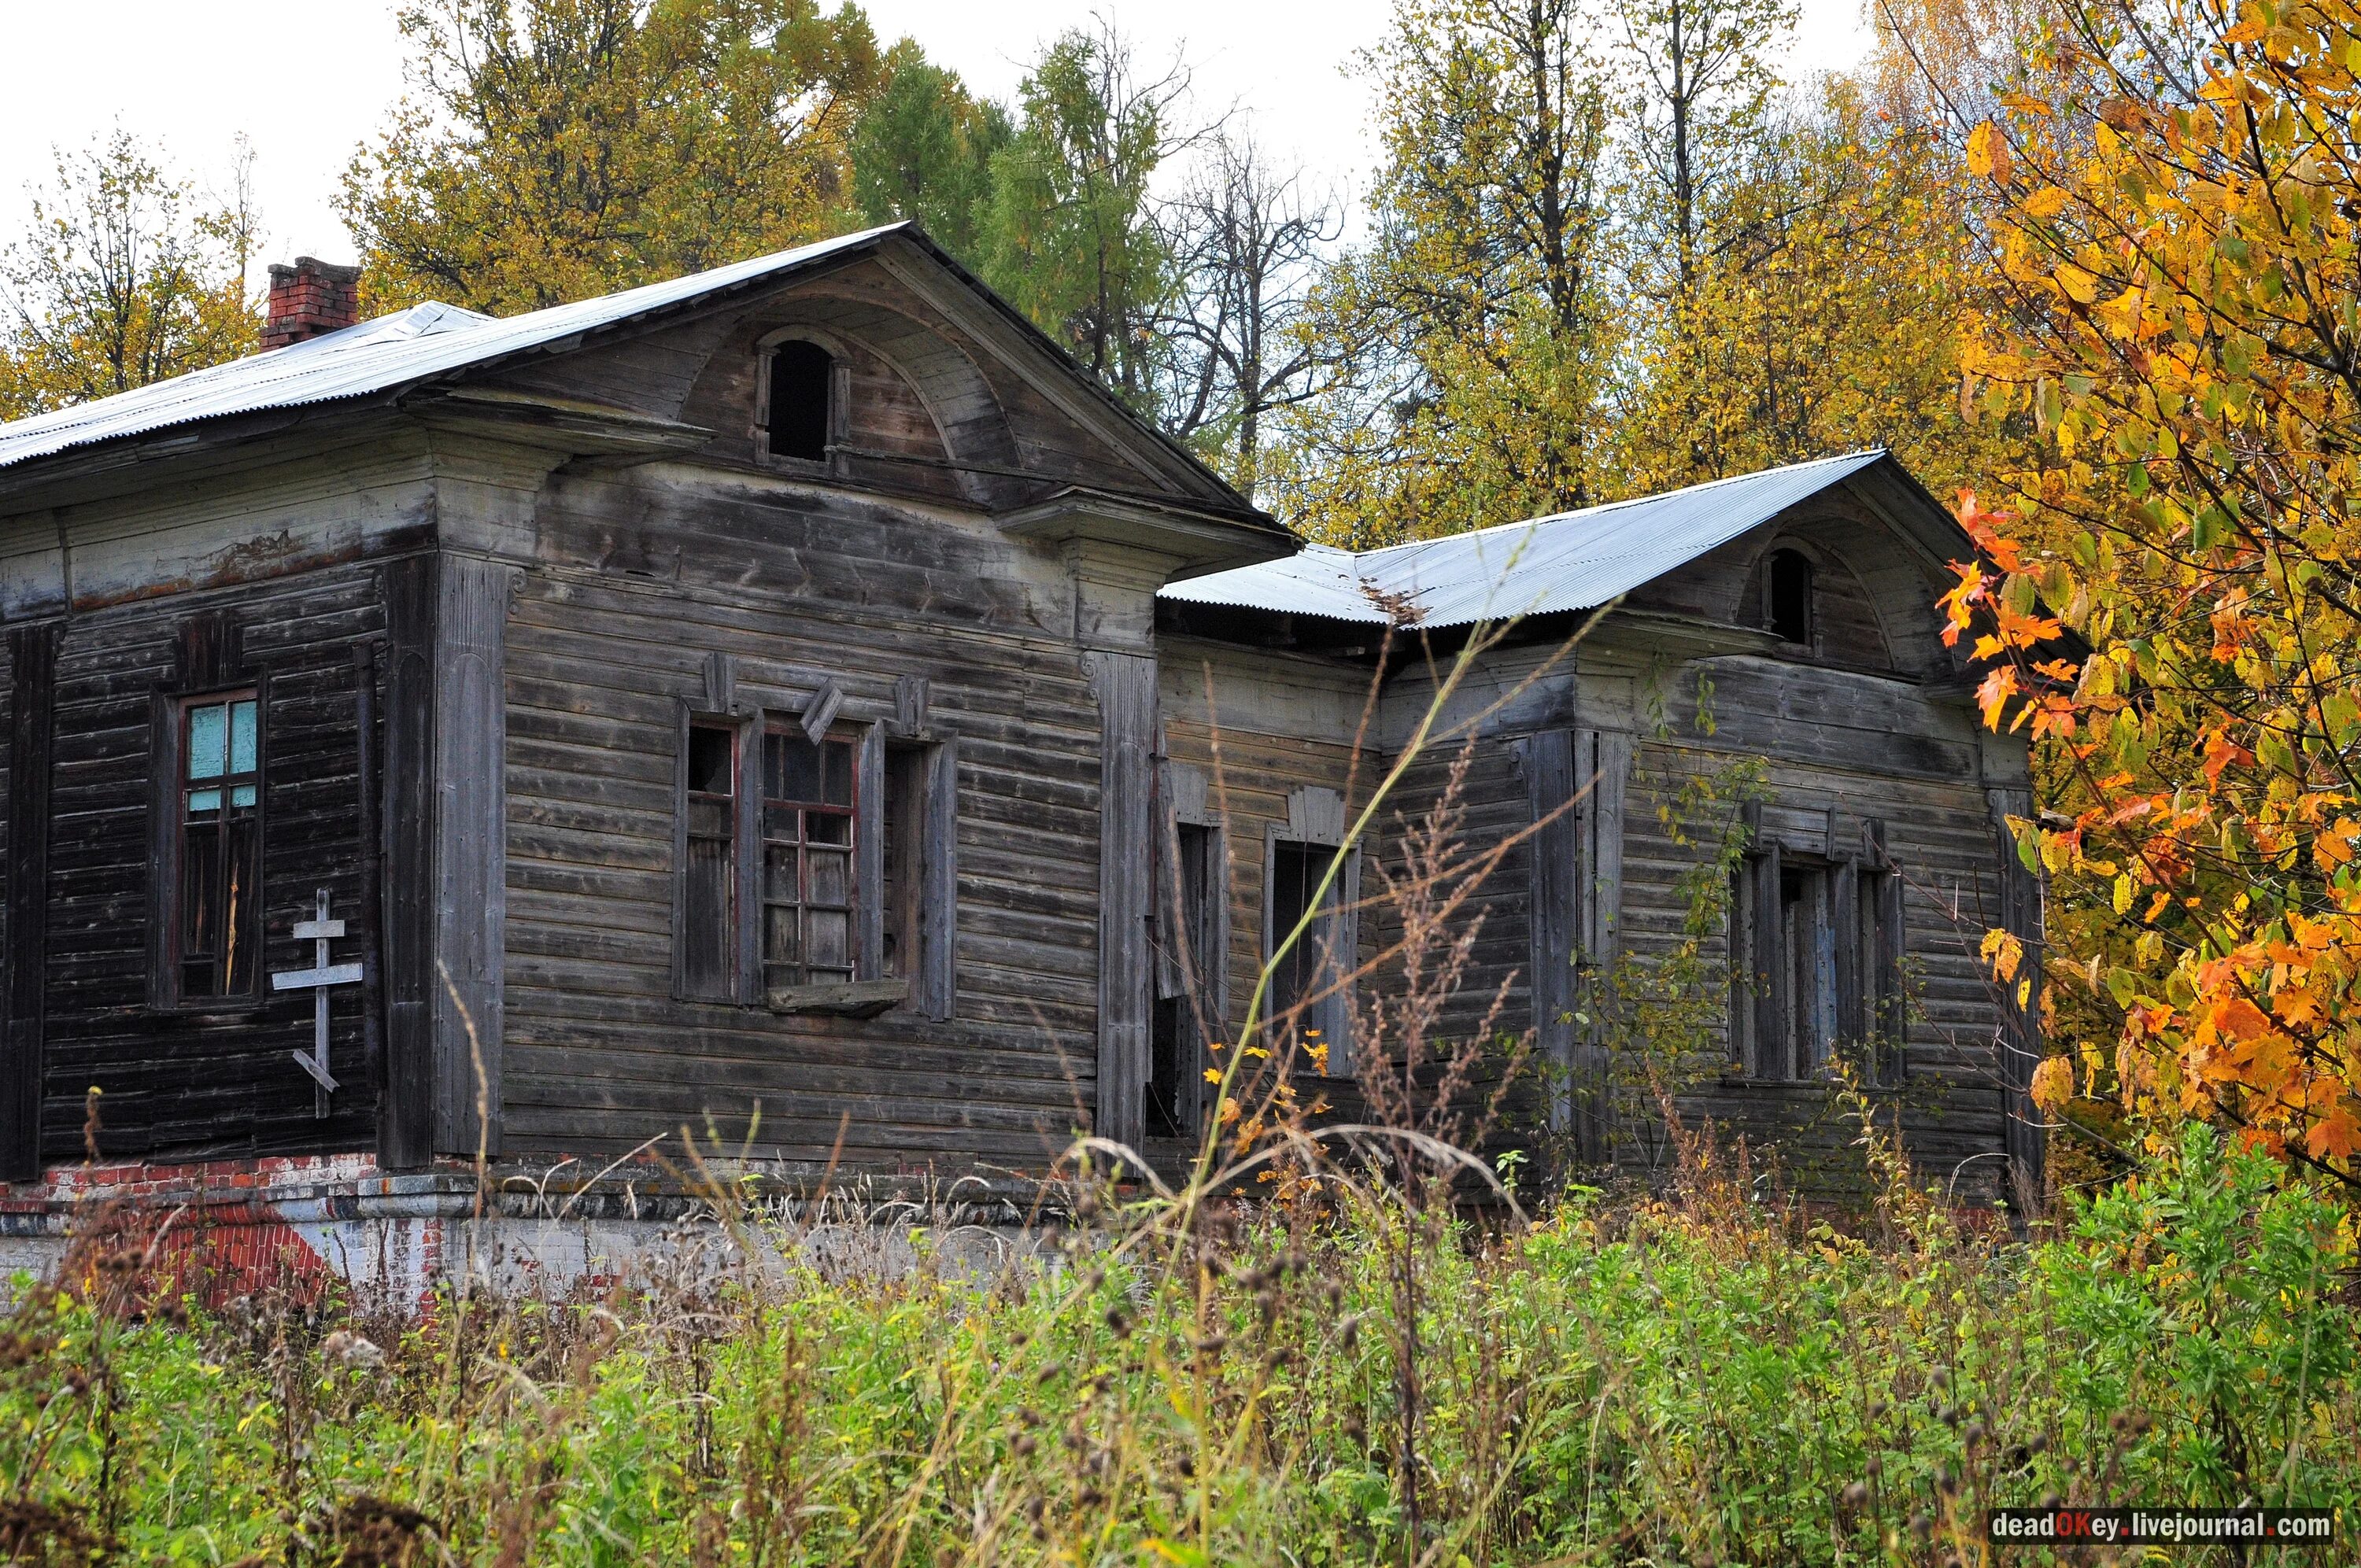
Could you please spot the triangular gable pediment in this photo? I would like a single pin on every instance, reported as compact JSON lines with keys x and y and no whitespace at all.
{"x":642,"y":352}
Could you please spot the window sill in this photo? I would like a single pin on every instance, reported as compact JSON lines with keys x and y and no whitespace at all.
{"x":859,"y":999}
{"x":799,"y":467}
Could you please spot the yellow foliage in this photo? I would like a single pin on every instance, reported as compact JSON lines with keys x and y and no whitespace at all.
{"x":2193,"y":517}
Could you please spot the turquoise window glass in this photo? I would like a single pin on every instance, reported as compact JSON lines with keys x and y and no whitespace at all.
{"x":241,"y":736}
{"x":208,"y":736}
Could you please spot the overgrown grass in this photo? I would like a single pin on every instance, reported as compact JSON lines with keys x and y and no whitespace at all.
{"x":1697,"y":1379}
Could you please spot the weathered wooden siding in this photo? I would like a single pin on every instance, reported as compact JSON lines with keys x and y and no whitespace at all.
{"x":925,"y":389}
{"x":1493,"y":804}
{"x":1275,"y":724}
{"x":1922,"y":778}
{"x":1877,"y":578}
{"x":190,"y":1081}
{"x":800,"y":585}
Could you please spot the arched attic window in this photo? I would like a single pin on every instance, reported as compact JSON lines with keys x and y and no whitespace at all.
{"x":801,"y":401}
{"x":1787,"y":597}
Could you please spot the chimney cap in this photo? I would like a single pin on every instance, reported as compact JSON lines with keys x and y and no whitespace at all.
{"x":313,"y":266}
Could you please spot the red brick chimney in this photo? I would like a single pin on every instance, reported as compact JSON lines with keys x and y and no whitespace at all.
{"x":309,"y":299}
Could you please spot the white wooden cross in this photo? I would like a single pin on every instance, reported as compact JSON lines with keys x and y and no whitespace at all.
{"x":322,"y":974}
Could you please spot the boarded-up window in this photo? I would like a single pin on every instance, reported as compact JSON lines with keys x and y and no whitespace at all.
{"x":919,"y":823}
{"x":809,"y":903}
{"x":708,"y":922}
{"x":903,"y":820}
{"x":217,"y":923}
{"x":1814,"y":951}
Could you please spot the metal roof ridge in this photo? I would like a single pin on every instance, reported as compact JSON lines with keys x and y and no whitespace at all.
{"x":1601,"y":508}
{"x":342,"y":362}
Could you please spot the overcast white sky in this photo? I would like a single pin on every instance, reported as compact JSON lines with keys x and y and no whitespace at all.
{"x":194,"y":73}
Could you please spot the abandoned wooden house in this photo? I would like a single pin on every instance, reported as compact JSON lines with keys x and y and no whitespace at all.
{"x":770,"y":702}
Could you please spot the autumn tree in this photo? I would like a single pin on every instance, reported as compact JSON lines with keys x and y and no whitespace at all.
{"x":2169,"y":589}
{"x":1480,"y":324}
{"x":1699,"y":118}
{"x":1820,"y":311}
{"x":553,"y":150}
{"x":127,"y":273}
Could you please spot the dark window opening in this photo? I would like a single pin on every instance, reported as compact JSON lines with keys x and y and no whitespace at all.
{"x":1789,"y":598}
{"x":904,"y":824}
{"x":1307,"y":997}
{"x":710,"y":920}
{"x":1177,"y":1055}
{"x":803,"y":385}
{"x":809,"y":909}
{"x":218,"y":928}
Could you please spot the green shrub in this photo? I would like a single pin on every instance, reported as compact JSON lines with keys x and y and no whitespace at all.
{"x":1674,"y":1383}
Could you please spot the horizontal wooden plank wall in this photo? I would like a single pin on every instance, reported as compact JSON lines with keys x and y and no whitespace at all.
{"x":800,"y":587}
{"x":192,"y":1081}
{"x":24,"y":892}
{"x":1940,"y":835}
{"x":1247,"y":791}
{"x":1494,"y":802}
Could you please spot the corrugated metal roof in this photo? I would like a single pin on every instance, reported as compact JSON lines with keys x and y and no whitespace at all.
{"x":1575,"y":560}
{"x":376,"y":355}
{"x":1320,"y":580}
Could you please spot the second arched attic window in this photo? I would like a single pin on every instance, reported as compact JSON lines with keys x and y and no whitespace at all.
{"x":1787,"y":597}
{"x":801,"y":401}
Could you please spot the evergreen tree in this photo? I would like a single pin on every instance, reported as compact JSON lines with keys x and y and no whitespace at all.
{"x":922,"y":150}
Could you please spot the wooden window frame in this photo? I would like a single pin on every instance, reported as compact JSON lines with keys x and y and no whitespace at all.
{"x":922,"y":778}
{"x":167,"y":986}
{"x":839,"y":397}
{"x":859,"y":849}
{"x":685,"y":986}
{"x":926,"y":992}
{"x":1863,"y":933}
{"x":1192,"y":964}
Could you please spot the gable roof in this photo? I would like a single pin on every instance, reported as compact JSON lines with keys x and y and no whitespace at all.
{"x":435,"y":341}
{"x":1574,"y":560}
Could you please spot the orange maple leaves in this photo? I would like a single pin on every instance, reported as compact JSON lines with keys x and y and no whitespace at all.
{"x":2243,"y":1014}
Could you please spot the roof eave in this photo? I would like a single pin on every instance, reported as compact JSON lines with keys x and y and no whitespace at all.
{"x":1197,"y":540}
